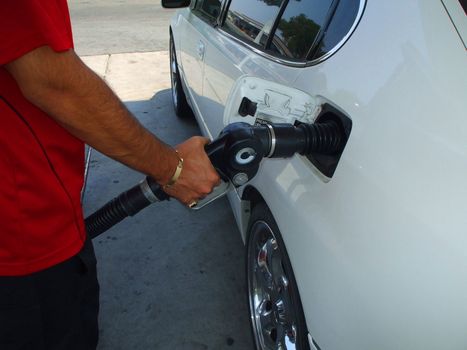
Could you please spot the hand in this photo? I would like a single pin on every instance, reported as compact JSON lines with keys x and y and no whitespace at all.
{"x":198,"y":176}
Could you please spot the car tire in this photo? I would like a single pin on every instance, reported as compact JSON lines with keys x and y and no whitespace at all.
{"x":276,"y":312}
{"x":181,"y":107}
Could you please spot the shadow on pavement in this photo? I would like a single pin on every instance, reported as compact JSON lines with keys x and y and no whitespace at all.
{"x":170,"y":278}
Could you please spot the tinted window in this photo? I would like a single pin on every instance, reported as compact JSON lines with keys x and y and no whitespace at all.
{"x":340,"y":24}
{"x":298,"y":27}
{"x":252,"y":20}
{"x":297,"y":30}
{"x":209,"y":9}
{"x":464,"y":5}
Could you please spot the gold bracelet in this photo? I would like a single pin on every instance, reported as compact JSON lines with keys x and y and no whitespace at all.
{"x":177,"y":173}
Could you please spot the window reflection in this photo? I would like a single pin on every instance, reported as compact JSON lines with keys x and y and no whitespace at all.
{"x":340,"y":25}
{"x":252,"y":20}
{"x":211,"y":8}
{"x":300,"y":31}
{"x":299,"y":26}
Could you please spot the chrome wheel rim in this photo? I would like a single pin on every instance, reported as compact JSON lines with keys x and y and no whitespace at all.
{"x":173,"y":75}
{"x":273,"y":317}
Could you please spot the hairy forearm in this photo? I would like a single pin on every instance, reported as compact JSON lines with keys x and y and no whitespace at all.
{"x":91,"y":111}
{"x":82,"y":103}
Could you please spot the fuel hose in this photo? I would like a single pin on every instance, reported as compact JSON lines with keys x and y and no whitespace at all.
{"x":229,"y":154}
{"x":128,"y":203}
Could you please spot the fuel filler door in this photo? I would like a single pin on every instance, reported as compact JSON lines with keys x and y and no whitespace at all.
{"x":276,"y":103}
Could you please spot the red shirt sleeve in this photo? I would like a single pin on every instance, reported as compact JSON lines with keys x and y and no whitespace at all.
{"x":28,"y":24}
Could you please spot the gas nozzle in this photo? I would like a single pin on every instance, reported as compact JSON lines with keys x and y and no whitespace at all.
{"x":236,"y":155}
{"x":281,"y":140}
{"x":240,"y":147}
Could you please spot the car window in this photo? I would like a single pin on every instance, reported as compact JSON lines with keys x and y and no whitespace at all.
{"x":208,"y":9}
{"x":464,"y":5}
{"x":457,"y":14}
{"x":339,"y":26}
{"x":252,"y":20}
{"x":296,"y":30}
{"x":298,"y":27}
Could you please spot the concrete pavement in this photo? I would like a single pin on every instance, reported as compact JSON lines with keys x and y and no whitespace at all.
{"x":170,"y":278}
{"x":133,"y":76}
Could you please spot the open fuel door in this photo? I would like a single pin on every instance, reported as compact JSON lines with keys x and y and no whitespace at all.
{"x":276,"y":103}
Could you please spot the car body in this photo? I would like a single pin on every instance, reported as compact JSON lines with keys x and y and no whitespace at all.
{"x":378,"y":246}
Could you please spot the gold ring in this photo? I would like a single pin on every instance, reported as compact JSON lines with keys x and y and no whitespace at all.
{"x":192,"y":204}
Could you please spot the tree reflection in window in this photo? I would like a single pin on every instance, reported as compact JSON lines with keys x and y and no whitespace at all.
{"x":252,"y":21}
{"x":297,"y":28}
{"x":294,"y":37}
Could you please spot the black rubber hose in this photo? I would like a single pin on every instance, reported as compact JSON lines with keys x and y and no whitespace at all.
{"x":324,"y":138}
{"x":132,"y":201}
{"x":284,"y":141}
{"x":126,"y":204}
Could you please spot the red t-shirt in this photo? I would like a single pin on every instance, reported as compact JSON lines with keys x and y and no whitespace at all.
{"x":41,"y":164}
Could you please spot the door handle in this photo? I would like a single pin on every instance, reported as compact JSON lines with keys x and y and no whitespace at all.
{"x":201,"y":48}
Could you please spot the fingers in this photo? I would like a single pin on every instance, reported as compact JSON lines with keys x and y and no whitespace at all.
{"x":198,"y":176}
{"x":183,"y":195}
{"x":204,"y":140}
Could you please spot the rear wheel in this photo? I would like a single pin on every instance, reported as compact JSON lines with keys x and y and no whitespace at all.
{"x":181,"y":107}
{"x":276,"y":313}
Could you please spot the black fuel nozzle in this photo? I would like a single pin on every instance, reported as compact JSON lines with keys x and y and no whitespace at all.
{"x":240,"y":147}
{"x":236,"y":154}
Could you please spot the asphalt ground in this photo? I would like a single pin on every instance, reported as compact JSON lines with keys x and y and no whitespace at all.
{"x":170,"y":278}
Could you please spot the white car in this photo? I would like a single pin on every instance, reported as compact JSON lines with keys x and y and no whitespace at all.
{"x":366,"y":249}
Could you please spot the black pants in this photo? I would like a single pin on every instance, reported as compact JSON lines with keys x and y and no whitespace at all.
{"x":52,"y":309}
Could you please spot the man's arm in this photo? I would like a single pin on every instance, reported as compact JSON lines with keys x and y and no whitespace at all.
{"x":66,"y":89}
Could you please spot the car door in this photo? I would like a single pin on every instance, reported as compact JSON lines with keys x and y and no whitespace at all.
{"x":261,"y":50}
{"x":192,"y":29}
{"x":369,"y":247}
